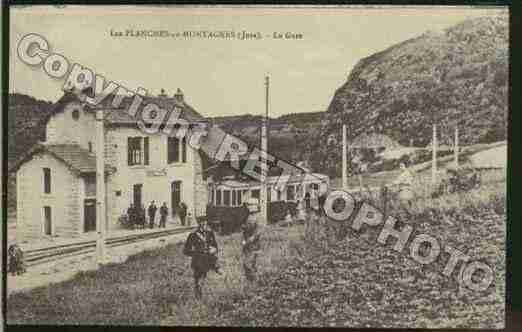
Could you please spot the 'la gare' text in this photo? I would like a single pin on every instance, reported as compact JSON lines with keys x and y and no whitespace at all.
{"x":287,"y":35}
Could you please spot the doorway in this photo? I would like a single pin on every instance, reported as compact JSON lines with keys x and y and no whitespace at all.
{"x":89,"y":215}
{"x":175,"y":188}
{"x":137,"y":194}
{"x":47,"y":221}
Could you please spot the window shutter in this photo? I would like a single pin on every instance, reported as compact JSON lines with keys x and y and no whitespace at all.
{"x":129,"y":151}
{"x":47,"y":180}
{"x":173,"y":149}
{"x":146,"y":150}
{"x":184,"y":150}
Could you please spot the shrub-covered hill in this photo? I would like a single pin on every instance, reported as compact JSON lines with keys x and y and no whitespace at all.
{"x":458,"y":76}
{"x":26,"y":125}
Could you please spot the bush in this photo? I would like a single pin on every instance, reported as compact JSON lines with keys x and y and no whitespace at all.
{"x":277,"y":210}
{"x":460,"y":180}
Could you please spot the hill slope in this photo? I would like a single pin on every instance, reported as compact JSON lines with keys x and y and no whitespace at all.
{"x":458,"y":76}
{"x":25,"y":123}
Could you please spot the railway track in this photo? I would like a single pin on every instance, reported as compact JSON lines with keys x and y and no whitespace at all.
{"x":49,"y":254}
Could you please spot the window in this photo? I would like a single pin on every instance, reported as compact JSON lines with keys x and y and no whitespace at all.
{"x":90,"y":146}
{"x":255,"y":193}
{"x":239,"y":202}
{"x":226,"y":197}
{"x":211,"y":197}
{"x":76,"y":115}
{"x":234,"y":198}
{"x":47,"y":180}
{"x":173,"y":150}
{"x":138,"y":154}
{"x":279,"y":194}
{"x":47,"y":226}
{"x":184,"y":150}
{"x":90,"y":185}
{"x":218,"y":197}
{"x":290,"y":193}
{"x":176,"y":150}
{"x":134,"y":150}
{"x":299,"y":191}
{"x":137,"y":191}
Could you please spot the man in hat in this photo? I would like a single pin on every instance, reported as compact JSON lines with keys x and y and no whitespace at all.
{"x":164,"y":212}
{"x":201,"y":245}
{"x":152,"y":213}
{"x":251,"y":244}
{"x":182,"y":213}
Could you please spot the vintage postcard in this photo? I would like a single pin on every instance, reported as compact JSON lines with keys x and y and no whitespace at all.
{"x":311,"y":166}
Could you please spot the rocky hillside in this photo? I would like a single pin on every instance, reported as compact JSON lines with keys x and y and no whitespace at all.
{"x":458,"y":76}
{"x":25,"y":123}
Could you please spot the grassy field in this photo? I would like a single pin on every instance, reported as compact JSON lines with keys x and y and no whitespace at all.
{"x":148,"y":288}
{"x":305,"y":279}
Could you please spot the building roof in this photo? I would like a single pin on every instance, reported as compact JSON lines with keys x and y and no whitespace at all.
{"x":75,"y":157}
{"x":371,"y":141}
{"x":272,"y":180}
{"x":119,"y":116}
{"x":495,"y":157}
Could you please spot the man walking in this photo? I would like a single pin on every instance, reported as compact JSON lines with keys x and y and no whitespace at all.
{"x":201,"y":245}
{"x":152,"y":214}
{"x":251,"y":244}
{"x":182,"y":213}
{"x":164,"y":212}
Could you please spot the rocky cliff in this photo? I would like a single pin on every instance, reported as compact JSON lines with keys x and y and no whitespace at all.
{"x":456,"y":77}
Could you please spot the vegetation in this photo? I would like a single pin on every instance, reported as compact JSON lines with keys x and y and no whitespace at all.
{"x":458,"y":77}
{"x":307,"y":276}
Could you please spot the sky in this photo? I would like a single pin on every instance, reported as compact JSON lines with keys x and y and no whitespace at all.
{"x":222,"y":76}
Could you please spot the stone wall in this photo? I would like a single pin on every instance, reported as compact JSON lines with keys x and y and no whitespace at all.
{"x":63,"y":200}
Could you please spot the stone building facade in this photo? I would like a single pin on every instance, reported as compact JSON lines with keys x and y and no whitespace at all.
{"x":56,"y":180}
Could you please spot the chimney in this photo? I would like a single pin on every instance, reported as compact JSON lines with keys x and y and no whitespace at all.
{"x":162,"y":93}
{"x":179,"y":95}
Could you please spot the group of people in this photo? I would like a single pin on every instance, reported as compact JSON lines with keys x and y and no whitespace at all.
{"x":138,"y":215}
{"x":202,"y":247}
{"x":312,"y":201}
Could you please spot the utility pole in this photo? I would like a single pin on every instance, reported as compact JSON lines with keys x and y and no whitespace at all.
{"x":100,"y":189}
{"x":264,"y":148}
{"x":344,"y":173}
{"x":456,"y":147}
{"x":434,"y":155}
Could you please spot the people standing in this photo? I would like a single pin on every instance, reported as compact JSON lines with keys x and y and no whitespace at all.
{"x":182,"y":213}
{"x":152,"y":214}
{"x":251,"y":245}
{"x":131,"y":214}
{"x":307,"y":201}
{"x":301,"y":214}
{"x":142,"y":216}
{"x":404,"y":184}
{"x":164,"y":212}
{"x":202,"y":247}
{"x":16,"y":263}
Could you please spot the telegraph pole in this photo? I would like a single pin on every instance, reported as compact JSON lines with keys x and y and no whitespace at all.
{"x":456,"y":147}
{"x":434,"y":155}
{"x":264,"y":148}
{"x":100,"y":189}
{"x":344,"y":173}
